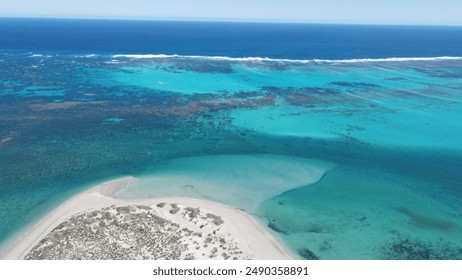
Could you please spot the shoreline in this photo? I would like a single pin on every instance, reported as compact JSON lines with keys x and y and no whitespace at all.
{"x":244,"y":228}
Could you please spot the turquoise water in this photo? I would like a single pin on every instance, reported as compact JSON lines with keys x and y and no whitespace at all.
{"x":366,"y":214}
{"x":384,"y":128}
{"x":340,"y":159}
{"x":243,"y":181}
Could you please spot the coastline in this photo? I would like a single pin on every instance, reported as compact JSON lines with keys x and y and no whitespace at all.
{"x":244,"y":229}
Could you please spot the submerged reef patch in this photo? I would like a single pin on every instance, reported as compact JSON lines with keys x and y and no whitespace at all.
{"x":414,"y":249}
{"x":355,"y":85}
{"x":275,"y":227}
{"x":307,"y":254}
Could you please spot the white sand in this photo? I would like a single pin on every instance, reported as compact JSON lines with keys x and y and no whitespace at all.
{"x":253,"y":239}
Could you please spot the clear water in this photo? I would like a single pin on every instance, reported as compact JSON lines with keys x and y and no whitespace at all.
{"x":342,"y":158}
{"x":243,"y":181}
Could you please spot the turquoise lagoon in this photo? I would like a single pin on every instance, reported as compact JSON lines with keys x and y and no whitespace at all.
{"x":357,"y":159}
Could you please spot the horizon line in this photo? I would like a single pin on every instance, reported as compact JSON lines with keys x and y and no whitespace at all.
{"x":263,"y":21}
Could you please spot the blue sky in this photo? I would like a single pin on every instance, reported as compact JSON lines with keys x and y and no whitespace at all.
{"x":445,"y":12}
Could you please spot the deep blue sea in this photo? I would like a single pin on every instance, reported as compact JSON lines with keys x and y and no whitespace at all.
{"x":344,"y":140}
{"x":287,"y":41}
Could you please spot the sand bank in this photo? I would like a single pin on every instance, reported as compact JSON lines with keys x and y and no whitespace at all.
{"x":204,"y":229}
{"x":243,"y":181}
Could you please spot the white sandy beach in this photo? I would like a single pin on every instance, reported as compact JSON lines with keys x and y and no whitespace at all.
{"x":236,"y":226}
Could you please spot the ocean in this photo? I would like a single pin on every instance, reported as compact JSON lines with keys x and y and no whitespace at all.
{"x":344,"y":140}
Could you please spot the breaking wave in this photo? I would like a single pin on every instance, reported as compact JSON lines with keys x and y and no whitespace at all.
{"x":267,"y":59}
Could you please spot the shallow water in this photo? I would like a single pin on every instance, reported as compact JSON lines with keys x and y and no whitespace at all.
{"x":243,"y":181}
{"x":359,"y":213}
{"x":342,"y":160}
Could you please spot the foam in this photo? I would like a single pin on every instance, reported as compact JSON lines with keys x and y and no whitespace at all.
{"x":391,"y":59}
{"x":264,"y":59}
{"x":37,"y":55}
{"x":267,"y":59}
